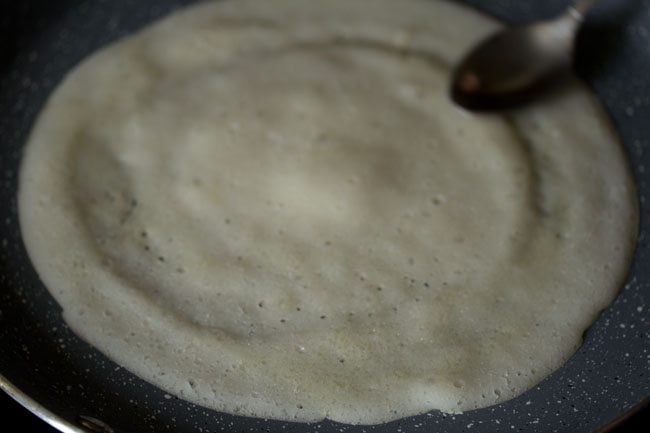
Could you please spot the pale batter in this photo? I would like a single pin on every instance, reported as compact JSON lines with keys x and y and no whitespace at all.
{"x":272,"y":208}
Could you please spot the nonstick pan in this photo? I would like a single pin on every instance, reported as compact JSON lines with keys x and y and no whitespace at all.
{"x":69,"y":383}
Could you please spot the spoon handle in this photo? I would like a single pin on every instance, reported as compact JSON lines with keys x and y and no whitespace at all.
{"x":580,"y":8}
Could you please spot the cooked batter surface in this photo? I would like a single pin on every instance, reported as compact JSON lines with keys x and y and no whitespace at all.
{"x":272,"y":208}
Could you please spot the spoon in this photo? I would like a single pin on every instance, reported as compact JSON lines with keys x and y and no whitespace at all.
{"x":514,"y":65}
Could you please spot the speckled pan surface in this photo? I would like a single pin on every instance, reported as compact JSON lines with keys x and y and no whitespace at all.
{"x":42,"y":39}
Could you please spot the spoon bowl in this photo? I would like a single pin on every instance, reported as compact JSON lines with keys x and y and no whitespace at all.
{"x":516,"y":64}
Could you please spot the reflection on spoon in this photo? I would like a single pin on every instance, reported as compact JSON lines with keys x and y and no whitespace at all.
{"x":513,"y":65}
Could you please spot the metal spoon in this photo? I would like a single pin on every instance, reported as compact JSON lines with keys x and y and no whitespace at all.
{"x":513,"y":65}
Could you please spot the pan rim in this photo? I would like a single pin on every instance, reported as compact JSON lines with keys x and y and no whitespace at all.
{"x":55,"y":420}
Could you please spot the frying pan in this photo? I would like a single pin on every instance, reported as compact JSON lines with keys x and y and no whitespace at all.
{"x":73,"y":386}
